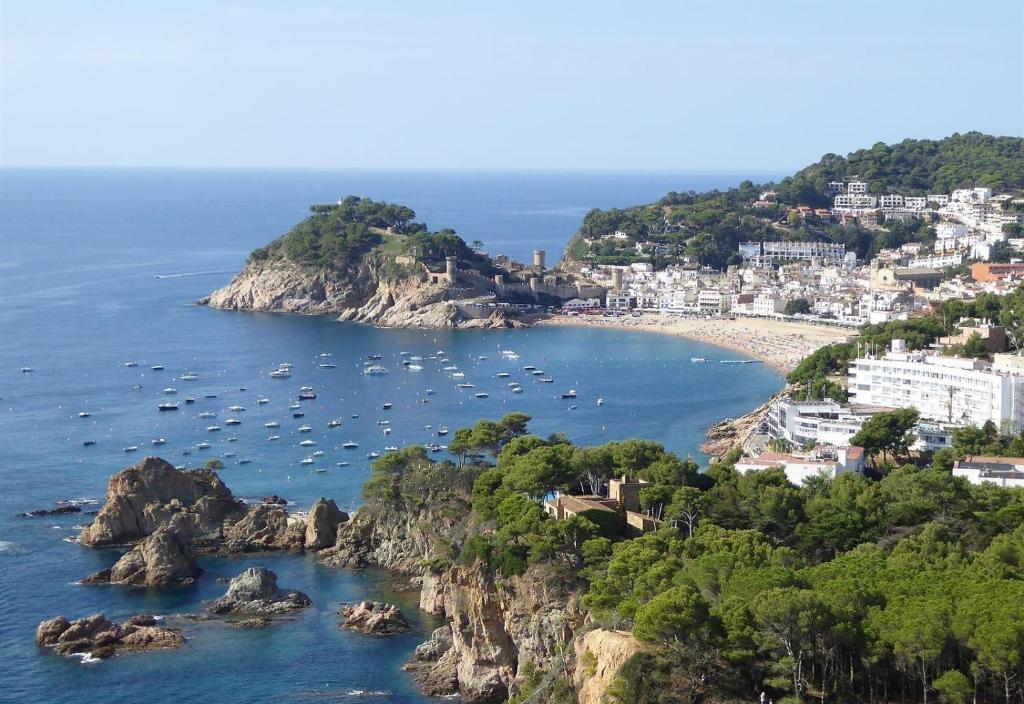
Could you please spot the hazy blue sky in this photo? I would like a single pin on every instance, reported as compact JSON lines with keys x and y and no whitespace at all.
{"x":680,"y":84}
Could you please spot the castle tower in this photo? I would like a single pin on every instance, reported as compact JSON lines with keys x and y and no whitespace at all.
{"x":538,"y":258}
{"x":617,"y":279}
{"x":451,"y":268}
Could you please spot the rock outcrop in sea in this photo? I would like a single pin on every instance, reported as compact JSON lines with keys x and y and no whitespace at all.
{"x":165,"y":558}
{"x":171,"y":515}
{"x":374,"y":618}
{"x":255,"y":593}
{"x":100,"y":637}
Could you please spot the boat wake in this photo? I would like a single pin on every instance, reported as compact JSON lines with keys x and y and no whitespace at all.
{"x":192,"y":273}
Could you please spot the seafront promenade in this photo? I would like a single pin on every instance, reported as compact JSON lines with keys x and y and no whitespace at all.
{"x":780,"y":344}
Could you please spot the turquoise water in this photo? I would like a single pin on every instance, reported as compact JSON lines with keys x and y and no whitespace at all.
{"x":79,"y":255}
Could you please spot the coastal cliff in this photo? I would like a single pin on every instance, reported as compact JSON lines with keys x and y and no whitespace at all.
{"x":501,"y":627}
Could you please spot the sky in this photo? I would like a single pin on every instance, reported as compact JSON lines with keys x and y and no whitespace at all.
{"x":706,"y":85}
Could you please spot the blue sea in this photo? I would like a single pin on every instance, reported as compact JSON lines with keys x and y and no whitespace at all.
{"x":101,"y":267}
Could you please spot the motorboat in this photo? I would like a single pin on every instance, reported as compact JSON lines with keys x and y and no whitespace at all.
{"x":84,"y":414}
{"x":207,"y":414}
{"x":503,"y":375}
{"x":272,"y":438}
{"x":295,"y":405}
{"x":204,"y":445}
{"x":131,"y":448}
{"x":458,"y":375}
{"x":131,"y":364}
{"x":383,"y":422}
{"x":387,"y":430}
{"x":387,"y":406}
{"x":307,"y":395}
{"x":244,"y":461}
{"x":517,"y":390}
{"x":209,"y":395}
{"x":538,"y":372}
{"x":600,"y":402}
{"x":431,"y":392}
{"x":391,"y":448}
{"x":529,"y":368}
{"x":272,"y":424}
{"x":698,"y":360}
{"x":375,"y":370}
{"x":415,"y":367}
{"x":229,"y":455}
{"x":373,"y":357}
{"x":190,"y":376}
{"x":283,"y":371}
{"x":262,"y":400}
{"x":88,"y":443}
{"x":213,"y":428}
{"x":159,"y":441}
{"x":333,"y":423}
{"x":298,"y":414}
{"x":545,"y":380}
{"x":372,"y":455}
{"x":326,"y":365}
{"x":232,"y":421}
{"x":157,"y":367}
{"x":480,"y":395}
{"x":318,"y":453}
{"x":190,"y":399}
{"x":350,"y":445}
{"x":307,"y":443}
{"x":307,"y":460}
{"x":236,"y":409}
{"x":442,"y":431}
{"x":571,"y":393}
{"x":463,"y":386}
{"x":168,"y":406}
{"x":170,"y":390}
{"x":305,"y":429}
{"x":342,"y":464}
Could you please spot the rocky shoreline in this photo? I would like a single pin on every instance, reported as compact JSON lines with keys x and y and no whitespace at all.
{"x":367,"y":292}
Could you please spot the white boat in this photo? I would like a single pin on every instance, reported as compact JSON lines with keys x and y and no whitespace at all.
{"x":204,"y":445}
{"x":170,"y":390}
{"x":157,"y":367}
{"x":387,"y":430}
{"x":168,"y":406}
{"x":159,"y":441}
{"x":375,"y":370}
{"x":131,"y":364}
{"x":262,"y":400}
{"x":415,"y":358}
{"x":517,"y":390}
{"x":232,"y":421}
{"x":480,"y":395}
{"x":27,"y":370}
{"x":538,"y":372}
{"x":272,"y":424}
{"x":458,"y":375}
{"x":442,"y":431}
{"x":529,"y":368}
{"x":545,"y":380}
{"x":333,"y":423}
{"x":697,"y":360}
{"x":83,"y":414}
{"x":450,"y":369}
{"x":415,"y":367}
{"x":503,"y":375}
{"x":229,"y":455}
{"x":318,"y":453}
{"x":212,"y":428}
{"x":305,"y":429}
{"x":463,"y":386}
{"x":131,"y":448}
{"x":294,"y":405}
{"x":207,"y":414}
{"x":189,"y":377}
{"x":350,"y":445}
{"x":600,"y":402}
{"x":326,"y":365}
{"x":307,"y":443}
{"x":320,"y":470}
{"x":308,"y":460}
{"x":571,"y":393}
{"x":342,"y":464}
{"x":372,"y":455}
{"x":383,"y":422}
{"x":244,"y":461}
{"x":391,"y":448}
{"x":271,"y":438}
{"x":509,"y":354}
{"x":280,"y":374}
{"x":236,"y":409}
{"x":430,"y":392}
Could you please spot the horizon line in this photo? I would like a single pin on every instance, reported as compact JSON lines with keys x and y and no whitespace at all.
{"x":407,"y":169}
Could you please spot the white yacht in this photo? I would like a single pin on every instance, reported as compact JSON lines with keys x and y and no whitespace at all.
{"x":236,"y":409}
{"x":308,"y":460}
{"x":159,"y":441}
{"x":305,"y":429}
{"x":350,"y":445}
{"x":272,"y":424}
{"x":190,"y":376}
{"x":170,"y":390}
{"x":334,"y":423}
{"x":307,"y":443}
{"x":375,"y":370}
{"x":272,"y":438}
{"x":204,"y":445}
{"x":232,"y":421}
{"x":207,"y":414}
{"x":213,"y":428}
{"x":84,"y":414}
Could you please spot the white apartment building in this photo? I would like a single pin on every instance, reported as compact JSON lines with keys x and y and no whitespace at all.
{"x":1007,"y":472}
{"x":857,"y":187}
{"x":915,"y":202}
{"x":944,"y":389}
{"x":619,"y":300}
{"x":858,"y":201}
{"x":938,"y":261}
{"x":891,"y":201}
{"x":940,"y":199}
{"x":825,"y":462}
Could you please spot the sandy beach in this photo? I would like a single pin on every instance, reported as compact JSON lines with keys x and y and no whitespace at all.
{"x":780,"y":344}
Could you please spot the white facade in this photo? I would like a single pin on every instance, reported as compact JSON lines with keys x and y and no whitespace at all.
{"x":1007,"y":472}
{"x":890,"y":201}
{"x":944,"y":389}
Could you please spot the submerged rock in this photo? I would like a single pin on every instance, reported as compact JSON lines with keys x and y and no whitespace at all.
{"x":101,"y":637}
{"x":374,"y":617}
{"x":255,"y":593}
{"x":60,"y":510}
{"x":322,"y":524}
{"x":164,"y":559}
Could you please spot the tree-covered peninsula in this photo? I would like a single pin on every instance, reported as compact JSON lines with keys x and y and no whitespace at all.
{"x":903,"y":586}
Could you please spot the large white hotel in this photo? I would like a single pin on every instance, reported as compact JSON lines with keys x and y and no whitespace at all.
{"x":952,"y":390}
